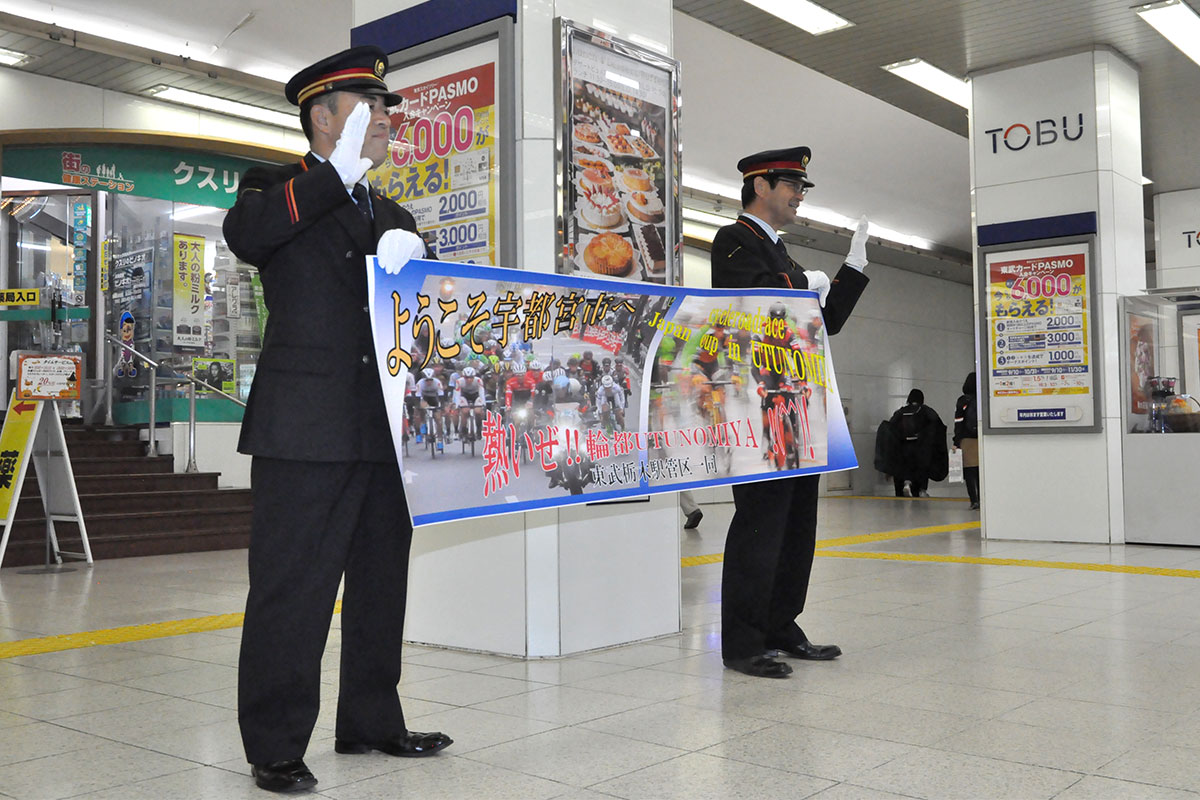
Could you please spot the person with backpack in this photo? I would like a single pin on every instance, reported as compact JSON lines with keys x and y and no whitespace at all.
{"x":921,"y":453}
{"x":966,"y":437}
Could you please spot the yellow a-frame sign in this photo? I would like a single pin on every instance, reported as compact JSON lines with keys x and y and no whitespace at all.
{"x":30,"y":433}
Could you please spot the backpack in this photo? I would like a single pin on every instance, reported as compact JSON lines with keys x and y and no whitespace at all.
{"x":910,"y":423}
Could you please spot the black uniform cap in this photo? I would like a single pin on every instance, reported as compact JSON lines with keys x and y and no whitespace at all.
{"x":359,"y":69}
{"x":790,"y":161}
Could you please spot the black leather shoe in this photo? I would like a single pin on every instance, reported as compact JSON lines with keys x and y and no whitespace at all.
{"x":411,"y":745}
{"x":759,"y":667}
{"x":283,"y":776}
{"x":807,"y":651}
{"x":693,"y":519}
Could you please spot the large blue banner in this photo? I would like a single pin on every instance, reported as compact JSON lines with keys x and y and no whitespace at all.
{"x":509,"y":390}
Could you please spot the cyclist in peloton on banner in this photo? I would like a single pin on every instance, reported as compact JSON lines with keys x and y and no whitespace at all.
{"x":432,"y":394}
{"x":610,"y":398}
{"x":770,"y":381}
{"x":468,"y":391}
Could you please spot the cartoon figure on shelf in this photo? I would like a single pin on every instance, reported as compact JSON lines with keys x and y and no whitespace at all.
{"x":126,"y":367}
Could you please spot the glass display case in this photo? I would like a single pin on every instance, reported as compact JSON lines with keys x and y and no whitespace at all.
{"x":1162,"y":362}
{"x":1160,"y":370}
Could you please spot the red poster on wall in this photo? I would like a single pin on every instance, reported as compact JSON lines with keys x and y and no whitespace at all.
{"x":442,"y":163}
{"x":1141,"y":361}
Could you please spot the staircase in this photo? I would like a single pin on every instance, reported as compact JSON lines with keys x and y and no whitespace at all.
{"x":132,"y":505}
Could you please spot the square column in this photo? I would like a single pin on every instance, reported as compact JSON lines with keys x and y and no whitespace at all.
{"x":560,"y":581}
{"x":1050,"y":139}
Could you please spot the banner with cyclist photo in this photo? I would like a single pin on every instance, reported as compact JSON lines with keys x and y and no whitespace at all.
{"x":510,"y":390}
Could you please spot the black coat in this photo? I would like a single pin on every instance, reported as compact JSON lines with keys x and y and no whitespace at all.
{"x":920,"y":444}
{"x":316,"y":394}
{"x":743,"y":256}
{"x":966,"y":425}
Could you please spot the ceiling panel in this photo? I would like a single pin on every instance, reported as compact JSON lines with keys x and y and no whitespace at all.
{"x":964,"y":36}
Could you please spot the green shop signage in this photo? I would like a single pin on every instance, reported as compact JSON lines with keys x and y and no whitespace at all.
{"x":183,"y":176}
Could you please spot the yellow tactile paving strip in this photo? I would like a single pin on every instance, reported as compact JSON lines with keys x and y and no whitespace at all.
{"x":159,"y":630}
{"x":866,"y":538}
{"x":1017,"y":562}
{"x":129,"y":633}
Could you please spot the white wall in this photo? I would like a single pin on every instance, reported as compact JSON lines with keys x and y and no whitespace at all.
{"x":36,"y":101}
{"x":216,"y":451}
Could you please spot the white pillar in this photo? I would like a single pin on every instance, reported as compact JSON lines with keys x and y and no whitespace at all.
{"x":1177,"y":239}
{"x":554,"y":582}
{"x":1050,"y":139}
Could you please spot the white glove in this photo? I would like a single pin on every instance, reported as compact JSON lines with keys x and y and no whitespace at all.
{"x":818,"y":282}
{"x":857,"y":256}
{"x":397,"y":247}
{"x":347,"y":154}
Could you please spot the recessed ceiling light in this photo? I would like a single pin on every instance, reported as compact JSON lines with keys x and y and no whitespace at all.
{"x":1177,"y":22}
{"x":696,"y":230}
{"x":11,"y":58}
{"x":804,"y":15}
{"x":930,"y":78}
{"x":223,"y":106}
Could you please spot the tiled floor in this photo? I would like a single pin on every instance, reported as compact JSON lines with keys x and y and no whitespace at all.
{"x":959,"y":680}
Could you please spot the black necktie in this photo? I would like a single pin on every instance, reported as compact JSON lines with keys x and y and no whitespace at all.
{"x":362,"y":199}
{"x":783,"y":251}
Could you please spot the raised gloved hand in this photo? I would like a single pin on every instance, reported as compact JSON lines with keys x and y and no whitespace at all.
{"x":818,"y":282}
{"x":397,"y":247}
{"x":347,"y":153}
{"x":857,"y":256}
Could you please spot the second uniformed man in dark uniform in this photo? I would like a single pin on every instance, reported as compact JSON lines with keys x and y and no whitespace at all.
{"x":771,"y":540}
{"x":328,"y":495}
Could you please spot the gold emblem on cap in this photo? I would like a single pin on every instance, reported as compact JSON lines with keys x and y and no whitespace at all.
{"x":379,"y":67}
{"x":804,"y":161}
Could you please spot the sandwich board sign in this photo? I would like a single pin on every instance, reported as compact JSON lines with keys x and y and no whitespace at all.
{"x":33,"y":431}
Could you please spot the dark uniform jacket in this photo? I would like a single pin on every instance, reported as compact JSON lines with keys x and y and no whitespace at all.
{"x":743,"y":256}
{"x":316,"y":394}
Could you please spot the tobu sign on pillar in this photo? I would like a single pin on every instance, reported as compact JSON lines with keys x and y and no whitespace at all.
{"x":442,"y":163}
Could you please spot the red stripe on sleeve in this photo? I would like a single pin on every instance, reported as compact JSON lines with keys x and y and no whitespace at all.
{"x":290,"y":194}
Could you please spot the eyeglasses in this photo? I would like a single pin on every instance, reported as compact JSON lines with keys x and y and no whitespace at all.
{"x":796,"y":186}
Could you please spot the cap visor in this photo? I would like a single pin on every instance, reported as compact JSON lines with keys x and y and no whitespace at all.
{"x":389,"y":98}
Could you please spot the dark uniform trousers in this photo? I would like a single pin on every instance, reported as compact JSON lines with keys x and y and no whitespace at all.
{"x":313,"y":522}
{"x":772,"y":539}
{"x":768,"y":559}
{"x":328,"y":495}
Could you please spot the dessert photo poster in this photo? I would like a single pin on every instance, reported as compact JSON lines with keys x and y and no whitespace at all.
{"x":617,"y":151}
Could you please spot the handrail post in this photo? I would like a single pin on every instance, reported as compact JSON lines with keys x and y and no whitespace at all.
{"x":191,"y":465}
{"x":108,"y":385}
{"x":153,"y":449}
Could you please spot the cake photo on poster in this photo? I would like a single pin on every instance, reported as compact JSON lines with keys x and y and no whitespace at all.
{"x":616,"y":181}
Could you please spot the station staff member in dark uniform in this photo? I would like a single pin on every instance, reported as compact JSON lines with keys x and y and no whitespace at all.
{"x":328,"y":496}
{"x":771,"y":540}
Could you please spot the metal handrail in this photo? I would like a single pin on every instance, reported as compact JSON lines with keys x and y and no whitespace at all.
{"x":177,"y":377}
